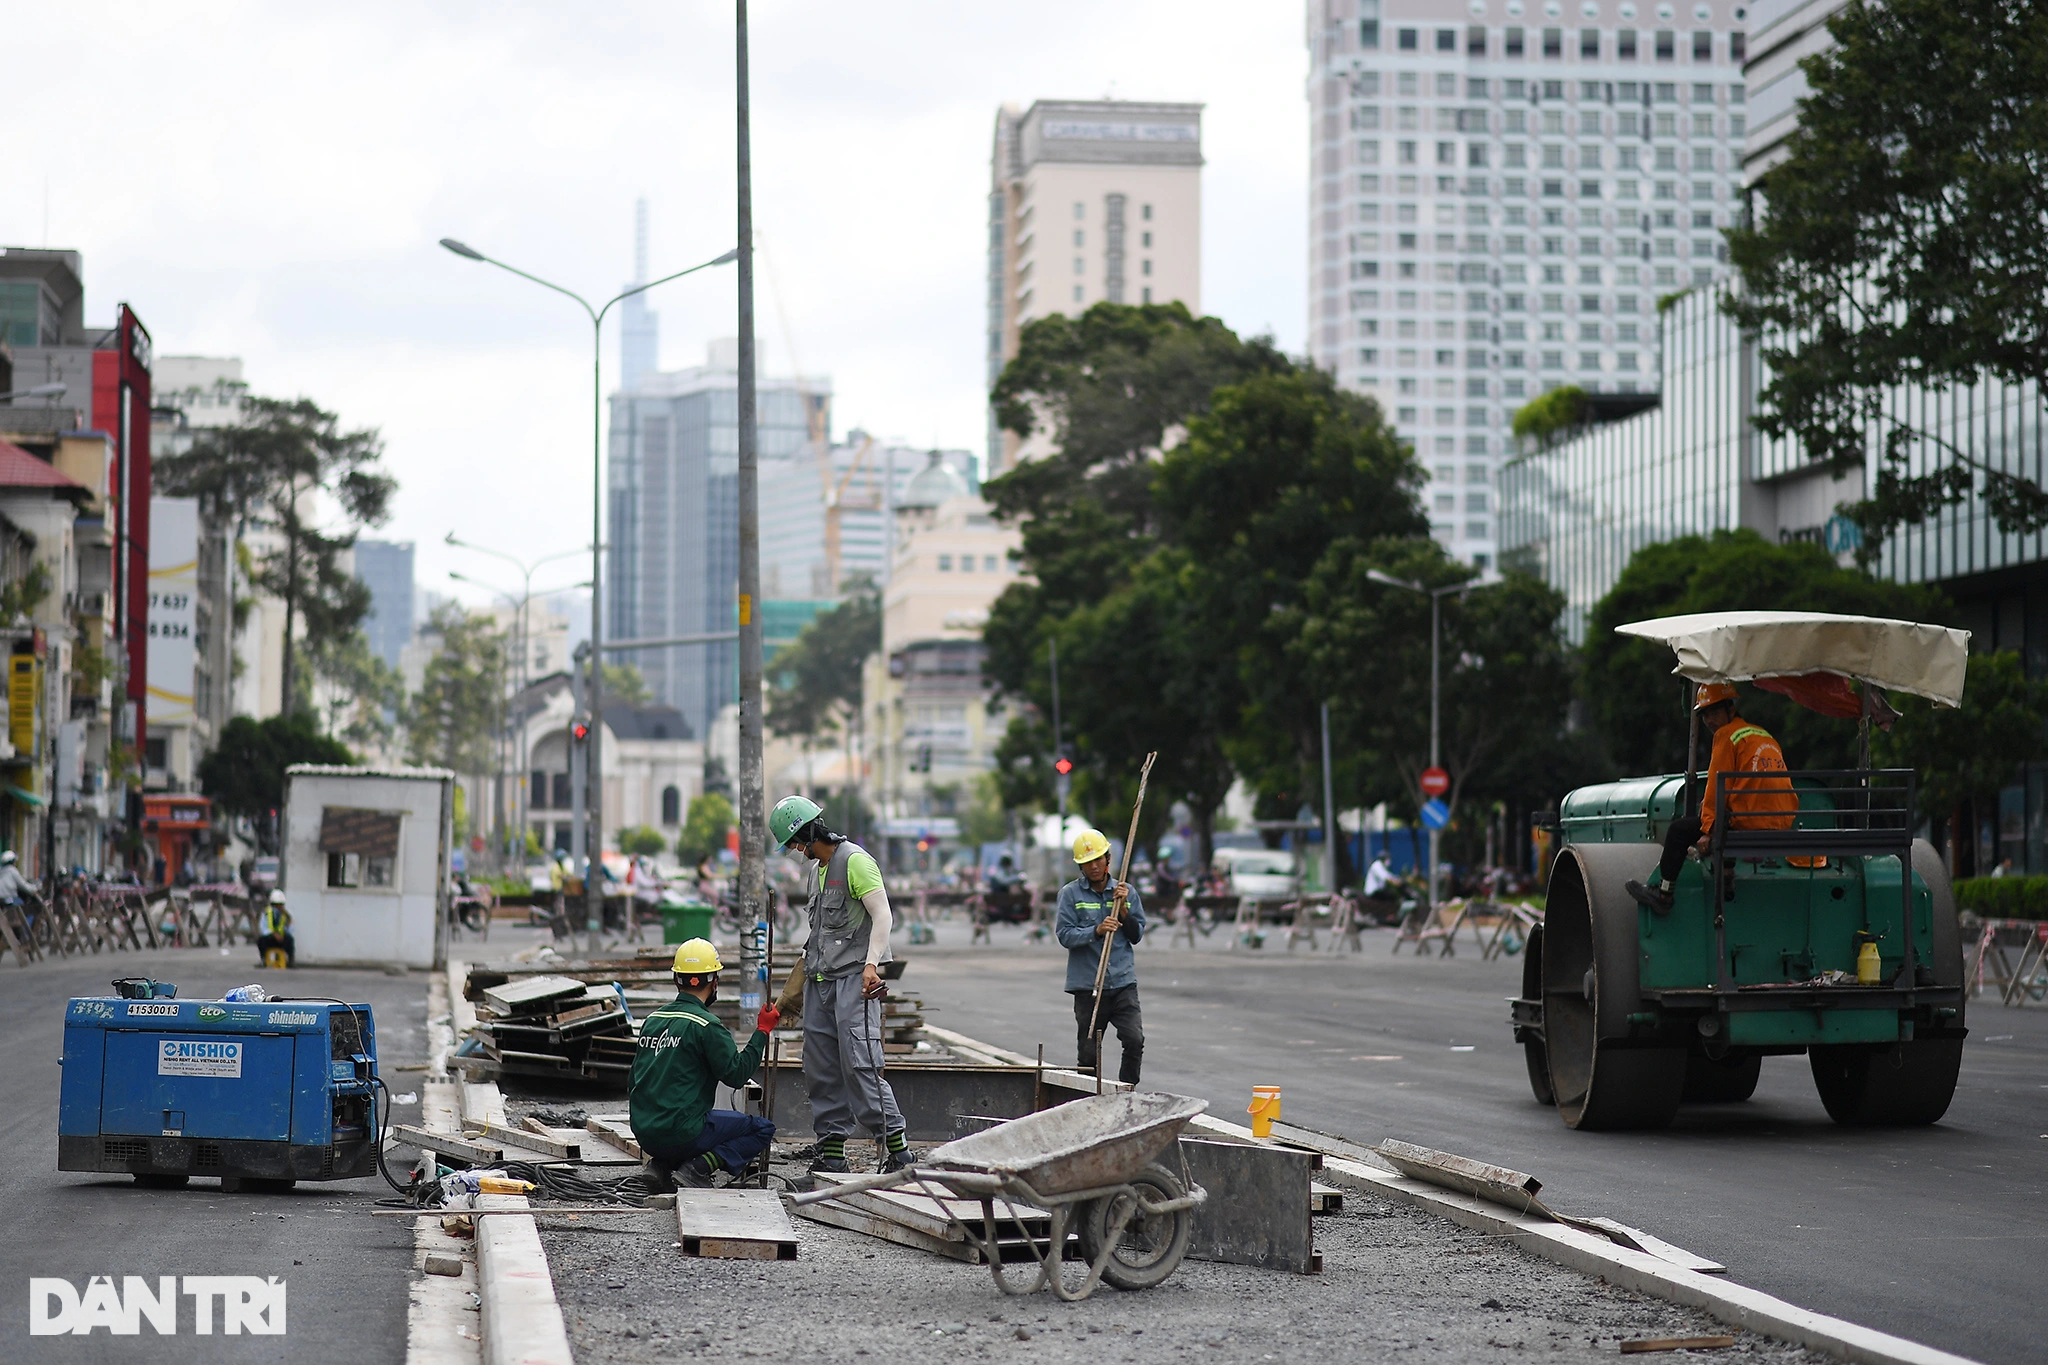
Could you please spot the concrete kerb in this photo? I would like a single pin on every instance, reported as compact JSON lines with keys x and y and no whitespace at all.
{"x":519,"y":1321}
{"x":1734,"y":1304}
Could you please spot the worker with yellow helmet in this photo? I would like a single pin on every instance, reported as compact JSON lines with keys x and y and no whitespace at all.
{"x":685,"y":1054}
{"x":1092,"y":907}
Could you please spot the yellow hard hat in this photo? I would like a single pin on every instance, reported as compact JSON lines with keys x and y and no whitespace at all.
{"x":1089,"y":845}
{"x":697,"y":958}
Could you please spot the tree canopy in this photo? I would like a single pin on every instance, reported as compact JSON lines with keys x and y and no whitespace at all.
{"x":244,"y":773}
{"x":1968,"y":753}
{"x":283,"y":464}
{"x":453,"y":719}
{"x":814,"y":681}
{"x":1904,"y":242}
{"x":1637,"y":710}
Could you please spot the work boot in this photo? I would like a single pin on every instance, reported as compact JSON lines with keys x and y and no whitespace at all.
{"x":660,"y":1179}
{"x":695,"y":1173}
{"x":896,"y":1161}
{"x":1658,"y":898}
{"x":830,"y":1165}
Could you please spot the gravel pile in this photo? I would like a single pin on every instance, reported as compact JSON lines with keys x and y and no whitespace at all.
{"x":1396,"y":1283}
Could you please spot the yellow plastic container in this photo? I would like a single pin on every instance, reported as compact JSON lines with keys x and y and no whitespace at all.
{"x":494,"y":1184}
{"x":1264,"y":1109}
{"x":1869,"y":969}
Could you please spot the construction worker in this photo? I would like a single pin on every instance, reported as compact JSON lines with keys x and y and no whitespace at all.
{"x":277,"y":931}
{"x":1756,"y":803}
{"x":848,"y":912}
{"x":1091,"y":908}
{"x":685,"y":1054}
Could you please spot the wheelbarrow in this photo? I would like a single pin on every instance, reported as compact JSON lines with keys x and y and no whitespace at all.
{"x":1095,"y":1165}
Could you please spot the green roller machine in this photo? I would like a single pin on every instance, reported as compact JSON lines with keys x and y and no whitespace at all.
{"x":1836,"y":937}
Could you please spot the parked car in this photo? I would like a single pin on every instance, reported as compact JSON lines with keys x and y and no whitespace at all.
{"x":263,"y":876}
{"x":1259,"y":874}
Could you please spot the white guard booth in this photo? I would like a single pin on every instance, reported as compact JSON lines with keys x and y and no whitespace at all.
{"x":366,"y":867}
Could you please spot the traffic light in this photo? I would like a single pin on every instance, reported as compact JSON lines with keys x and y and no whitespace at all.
{"x":580,"y":731}
{"x":1063,"y":765}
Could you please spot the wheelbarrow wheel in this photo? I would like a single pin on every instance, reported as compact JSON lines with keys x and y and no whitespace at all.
{"x":1151,"y":1246}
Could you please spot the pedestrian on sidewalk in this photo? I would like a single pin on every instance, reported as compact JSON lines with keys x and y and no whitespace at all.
{"x":849,"y":919}
{"x":1093,"y":907}
{"x":685,"y":1054}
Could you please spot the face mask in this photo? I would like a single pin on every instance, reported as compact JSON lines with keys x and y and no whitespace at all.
{"x":712,"y":994}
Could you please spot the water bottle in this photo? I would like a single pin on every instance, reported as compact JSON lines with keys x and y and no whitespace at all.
{"x":246,"y":995}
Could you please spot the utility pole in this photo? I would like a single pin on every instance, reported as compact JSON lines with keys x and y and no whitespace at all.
{"x":1329,"y":813}
{"x":753,"y":802}
{"x":1062,"y":781}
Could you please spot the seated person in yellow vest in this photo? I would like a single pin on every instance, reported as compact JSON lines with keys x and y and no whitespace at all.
{"x":1761,"y":802}
{"x":843,"y":989}
{"x":685,"y":1054}
{"x":277,"y":931}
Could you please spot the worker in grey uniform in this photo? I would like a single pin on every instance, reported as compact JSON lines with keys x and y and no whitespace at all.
{"x":849,"y":920}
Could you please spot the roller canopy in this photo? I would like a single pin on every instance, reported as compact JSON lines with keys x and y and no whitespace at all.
{"x":1743,"y":646}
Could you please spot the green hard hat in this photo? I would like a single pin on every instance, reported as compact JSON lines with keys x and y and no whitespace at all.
{"x":791,"y":814}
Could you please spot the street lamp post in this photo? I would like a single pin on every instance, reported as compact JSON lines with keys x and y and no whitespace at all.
{"x":1436,"y":597}
{"x":593,"y":890}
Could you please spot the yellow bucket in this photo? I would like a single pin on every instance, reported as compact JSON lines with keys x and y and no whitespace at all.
{"x":1264,"y":1109}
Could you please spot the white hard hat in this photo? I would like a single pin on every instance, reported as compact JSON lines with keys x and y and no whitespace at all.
{"x":277,"y":898}
{"x":7,"y":857}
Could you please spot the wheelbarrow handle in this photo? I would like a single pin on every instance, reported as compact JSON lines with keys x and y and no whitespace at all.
{"x":879,"y":1180}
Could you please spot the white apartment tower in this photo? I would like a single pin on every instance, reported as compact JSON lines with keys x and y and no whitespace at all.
{"x":1090,"y":201}
{"x":1501,"y":191}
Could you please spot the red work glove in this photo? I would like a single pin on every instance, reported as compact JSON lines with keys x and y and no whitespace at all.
{"x":767,"y":1019}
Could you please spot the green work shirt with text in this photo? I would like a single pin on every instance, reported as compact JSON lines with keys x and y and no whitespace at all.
{"x":685,"y":1053}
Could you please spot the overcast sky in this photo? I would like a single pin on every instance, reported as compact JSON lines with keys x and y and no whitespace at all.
{"x":269,"y":182}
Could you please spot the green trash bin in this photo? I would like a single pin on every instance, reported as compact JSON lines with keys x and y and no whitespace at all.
{"x":682,"y":921}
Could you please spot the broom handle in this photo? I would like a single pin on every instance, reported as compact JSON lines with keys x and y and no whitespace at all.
{"x":1102,"y":963}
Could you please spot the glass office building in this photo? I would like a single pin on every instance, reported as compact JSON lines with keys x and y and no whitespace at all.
{"x":1574,"y":514}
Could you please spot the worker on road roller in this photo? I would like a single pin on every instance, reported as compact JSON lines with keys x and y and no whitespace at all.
{"x":1766,"y":803}
{"x":842,"y":985}
{"x":685,"y":1054}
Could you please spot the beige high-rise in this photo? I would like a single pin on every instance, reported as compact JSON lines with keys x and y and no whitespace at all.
{"x":1090,"y":201}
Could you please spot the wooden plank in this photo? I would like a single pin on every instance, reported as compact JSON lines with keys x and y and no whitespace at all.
{"x":835,"y":1213}
{"x":616,"y":1129}
{"x":520,"y":997}
{"x":1646,"y":1344}
{"x":935,"y":1217}
{"x":735,"y":1223}
{"x":1496,"y":1184}
{"x":448,"y":1144}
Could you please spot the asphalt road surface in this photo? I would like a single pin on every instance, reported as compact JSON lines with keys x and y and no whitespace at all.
{"x":346,"y":1274}
{"x":1931,"y":1233}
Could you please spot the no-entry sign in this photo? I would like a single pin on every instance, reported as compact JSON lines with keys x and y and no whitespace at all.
{"x":1434,"y":781}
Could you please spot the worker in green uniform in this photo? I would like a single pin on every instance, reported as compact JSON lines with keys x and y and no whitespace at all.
{"x":849,"y":940}
{"x":685,"y":1054}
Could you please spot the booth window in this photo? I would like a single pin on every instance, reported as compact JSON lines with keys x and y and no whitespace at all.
{"x":361,"y":847}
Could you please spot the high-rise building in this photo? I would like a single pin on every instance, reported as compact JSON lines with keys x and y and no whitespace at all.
{"x":639,"y":325}
{"x":1090,"y":201}
{"x":828,"y":520}
{"x":673,"y":509}
{"x":385,"y":567}
{"x":1501,"y":193}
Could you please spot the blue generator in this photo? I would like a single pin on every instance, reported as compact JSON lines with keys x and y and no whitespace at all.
{"x":267,"y":1094}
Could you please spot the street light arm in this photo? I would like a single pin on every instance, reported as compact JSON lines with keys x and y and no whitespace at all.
{"x":1389,"y":580}
{"x":727,"y":259}
{"x":472,"y":254}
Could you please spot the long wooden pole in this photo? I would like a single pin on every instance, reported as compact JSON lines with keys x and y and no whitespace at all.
{"x":1123,"y":876}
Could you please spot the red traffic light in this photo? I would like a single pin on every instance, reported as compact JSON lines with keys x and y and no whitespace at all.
{"x":579,"y":731}
{"x":1063,"y":765}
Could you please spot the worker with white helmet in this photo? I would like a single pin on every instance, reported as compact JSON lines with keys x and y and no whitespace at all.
{"x":685,"y":1054}
{"x":15,"y":889}
{"x":277,"y":931}
{"x":1092,"y":907}
{"x":842,"y":989}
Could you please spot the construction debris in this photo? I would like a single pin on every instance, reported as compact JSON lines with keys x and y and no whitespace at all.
{"x":734,"y":1224}
{"x":554,"y":1025}
{"x":928,"y":1222}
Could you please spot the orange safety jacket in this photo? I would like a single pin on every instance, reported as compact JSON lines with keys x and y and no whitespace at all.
{"x":1740,"y":747}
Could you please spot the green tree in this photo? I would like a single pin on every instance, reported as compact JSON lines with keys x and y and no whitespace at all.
{"x":705,"y":827}
{"x":627,"y":684}
{"x":1553,"y":417}
{"x":244,"y":773}
{"x":641,"y":841}
{"x":285,"y":464}
{"x":453,"y":720}
{"x":1965,"y":755}
{"x":814,"y":681}
{"x":366,"y":696}
{"x":1637,"y":710}
{"x":1904,"y":242}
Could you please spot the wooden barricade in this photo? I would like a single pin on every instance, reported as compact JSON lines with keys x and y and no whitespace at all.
{"x":1522,"y":918}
